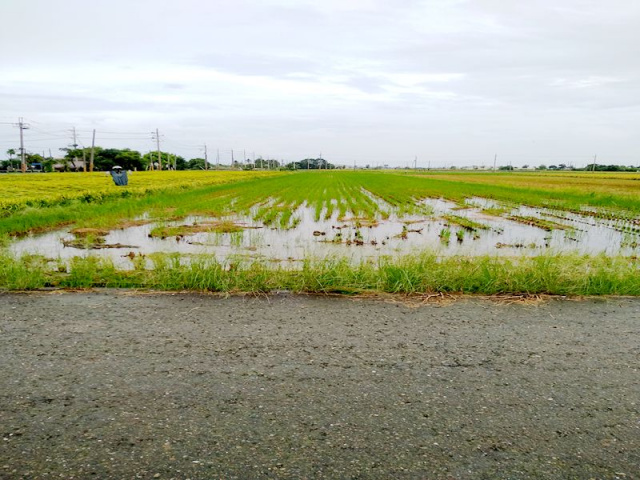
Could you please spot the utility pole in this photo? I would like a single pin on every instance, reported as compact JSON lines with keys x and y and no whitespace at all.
{"x":415,"y":163}
{"x":158,"y":148}
{"x":595,"y":157}
{"x":206,"y":160}
{"x":232,"y":159}
{"x":495,"y":159}
{"x":429,"y":167}
{"x":22,"y":126}
{"x":93,"y":147}
{"x":217,"y":159}
{"x":75,"y":147}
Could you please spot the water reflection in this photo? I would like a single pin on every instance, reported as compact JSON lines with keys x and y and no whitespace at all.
{"x":358,"y":239}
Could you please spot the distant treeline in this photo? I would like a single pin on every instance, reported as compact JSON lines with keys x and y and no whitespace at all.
{"x":589,"y":168}
{"x":105,"y":158}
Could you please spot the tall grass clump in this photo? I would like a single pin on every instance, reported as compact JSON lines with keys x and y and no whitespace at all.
{"x":25,"y":273}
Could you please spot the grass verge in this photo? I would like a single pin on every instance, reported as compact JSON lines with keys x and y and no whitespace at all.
{"x":416,"y":274}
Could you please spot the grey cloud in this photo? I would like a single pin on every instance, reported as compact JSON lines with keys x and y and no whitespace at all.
{"x":303,"y":75}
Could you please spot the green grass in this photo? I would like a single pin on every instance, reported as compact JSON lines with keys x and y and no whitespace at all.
{"x":424,"y":273}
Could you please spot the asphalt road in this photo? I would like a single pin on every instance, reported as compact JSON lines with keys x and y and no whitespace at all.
{"x":123,"y":385}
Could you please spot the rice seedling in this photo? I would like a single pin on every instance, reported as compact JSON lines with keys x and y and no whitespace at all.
{"x":445,"y":235}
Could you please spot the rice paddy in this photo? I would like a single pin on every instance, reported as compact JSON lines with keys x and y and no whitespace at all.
{"x":286,"y":223}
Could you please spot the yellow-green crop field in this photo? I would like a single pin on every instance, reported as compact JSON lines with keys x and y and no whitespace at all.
{"x":614,"y":183}
{"x":50,"y":188}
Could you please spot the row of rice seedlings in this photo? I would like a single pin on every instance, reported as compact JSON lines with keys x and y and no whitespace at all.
{"x":546,"y":225}
{"x":496,"y":211}
{"x":465,"y":223}
{"x":630,"y":241}
{"x":224,"y":226}
{"x":399,"y":193}
{"x":331,"y":206}
{"x":626,"y":227}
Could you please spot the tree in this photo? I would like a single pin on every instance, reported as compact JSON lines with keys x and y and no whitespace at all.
{"x":47,"y":164}
{"x":11,"y":152}
{"x":32,"y":158}
{"x":69,"y":160}
{"x":541,"y":167}
{"x":181,"y":163}
{"x":308,"y":164}
{"x":196,"y":164}
{"x":168,"y":160}
{"x":129,"y":160}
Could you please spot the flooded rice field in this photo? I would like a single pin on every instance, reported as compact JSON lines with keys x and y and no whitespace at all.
{"x":478,"y":227}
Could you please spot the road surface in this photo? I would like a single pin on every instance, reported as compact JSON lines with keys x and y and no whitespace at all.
{"x":115,"y":384}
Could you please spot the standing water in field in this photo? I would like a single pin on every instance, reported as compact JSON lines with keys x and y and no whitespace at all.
{"x":266,"y":232}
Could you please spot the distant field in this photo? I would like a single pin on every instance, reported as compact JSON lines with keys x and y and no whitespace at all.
{"x":624,"y":184}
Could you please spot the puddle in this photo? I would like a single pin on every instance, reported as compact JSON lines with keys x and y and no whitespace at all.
{"x":358,"y":239}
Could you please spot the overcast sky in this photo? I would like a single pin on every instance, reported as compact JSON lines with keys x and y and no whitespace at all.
{"x":448,"y":81}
